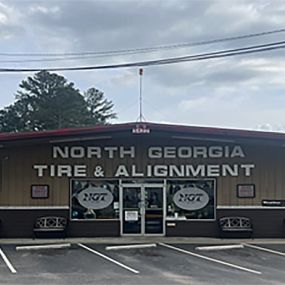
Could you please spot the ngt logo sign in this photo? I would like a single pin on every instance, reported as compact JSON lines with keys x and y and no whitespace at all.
{"x":191,"y":198}
{"x":95,"y":198}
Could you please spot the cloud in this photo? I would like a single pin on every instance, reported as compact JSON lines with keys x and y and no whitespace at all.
{"x":124,"y":79}
{"x":239,"y":91}
{"x":44,"y":10}
{"x":9,"y":22}
{"x":188,"y":105}
{"x":270,"y":127}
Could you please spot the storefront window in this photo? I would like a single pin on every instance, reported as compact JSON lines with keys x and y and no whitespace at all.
{"x":94,"y":199}
{"x":1,"y":175}
{"x":191,"y":199}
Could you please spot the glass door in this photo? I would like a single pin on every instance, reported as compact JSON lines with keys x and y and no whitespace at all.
{"x":132,"y":210}
{"x":153,"y":214}
{"x":142,"y":209}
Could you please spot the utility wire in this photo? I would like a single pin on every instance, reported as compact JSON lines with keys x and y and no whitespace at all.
{"x":65,"y":58}
{"x":198,"y":57}
{"x":146,"y":49}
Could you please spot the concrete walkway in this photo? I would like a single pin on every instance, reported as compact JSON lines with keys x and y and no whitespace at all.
{"x":137,"y":240}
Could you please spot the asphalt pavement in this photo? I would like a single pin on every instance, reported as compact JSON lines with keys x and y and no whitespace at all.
{"x":162,"y":260}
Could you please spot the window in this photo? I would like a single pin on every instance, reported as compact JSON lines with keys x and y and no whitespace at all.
{"x":3,"y":166}
{"x":1,"y":175}
{"x":94,"y":199}
{"x":191,"y":199}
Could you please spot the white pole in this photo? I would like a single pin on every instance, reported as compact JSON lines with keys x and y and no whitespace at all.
{"x":141,"y":114}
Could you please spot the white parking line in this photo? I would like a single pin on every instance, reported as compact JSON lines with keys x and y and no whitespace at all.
{"x":8,"y":263}
{"x":108,"y":258}
{"x":210,"y":259}
{"x":132,"y":246}
{"x":220,"y":247}
{"x":45,"y":246}
{"x":264,"y":249}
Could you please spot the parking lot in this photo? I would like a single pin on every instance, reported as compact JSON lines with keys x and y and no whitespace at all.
{"x":161,"y":263}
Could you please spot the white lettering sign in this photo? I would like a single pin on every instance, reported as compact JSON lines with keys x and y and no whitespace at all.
{"x":78,"y":152}
{"x":188,"y":170}
{"x":61,"y":170}
{"x":161,"y":169}
{"x":195,"y":152}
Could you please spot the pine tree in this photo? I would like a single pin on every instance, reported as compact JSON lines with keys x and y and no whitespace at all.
{"x":48,"y":101}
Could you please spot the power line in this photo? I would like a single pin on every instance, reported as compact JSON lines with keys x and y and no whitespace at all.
{"x":145,"y":49}
{"x":62,"y":58}
{"x":198,"y":57}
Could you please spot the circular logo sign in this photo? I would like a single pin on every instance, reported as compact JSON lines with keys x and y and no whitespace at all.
{"x":95,"y":198}
{"x":191,"y":198}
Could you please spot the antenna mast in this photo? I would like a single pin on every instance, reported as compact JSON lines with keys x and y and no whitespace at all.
{"x":141,"y":127}
{"x":141,"y":118}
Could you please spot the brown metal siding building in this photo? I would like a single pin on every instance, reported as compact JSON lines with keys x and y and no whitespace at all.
{"x":142,"y":179}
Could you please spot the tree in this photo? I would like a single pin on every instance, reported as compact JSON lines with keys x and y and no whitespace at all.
{"x":48,"y":101}
{"x":100,"y":108}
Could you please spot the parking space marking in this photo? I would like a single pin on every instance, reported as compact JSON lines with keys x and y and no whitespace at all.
{"x":8,"y":263}
{"x":132,"y":246}
{"x":108,"y":258}
{"x":264,"y":249}
{"x":210,"y":259}
{"x":220,"y":247}
{"x":45,"y":246}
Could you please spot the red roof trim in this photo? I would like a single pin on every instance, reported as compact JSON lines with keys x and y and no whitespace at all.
{"x":62,"y":132}
{"x":152,"y":126}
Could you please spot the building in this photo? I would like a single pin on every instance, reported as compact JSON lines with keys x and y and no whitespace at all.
{"x":142,"y":179}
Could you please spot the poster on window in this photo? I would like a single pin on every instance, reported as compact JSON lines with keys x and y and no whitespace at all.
{"x":131,"y":216}
{"x":191,"y":199}
{"x":94,"y":199}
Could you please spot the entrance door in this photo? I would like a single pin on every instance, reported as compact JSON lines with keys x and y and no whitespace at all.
{"x":142,"y":209}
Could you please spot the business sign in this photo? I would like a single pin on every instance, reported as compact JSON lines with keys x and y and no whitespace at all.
{"x":191,"y":198}
{"x":141,"y":129}
{"x":273,"y":203}
{"x":73,"y":161}
{"x":95,"y":198}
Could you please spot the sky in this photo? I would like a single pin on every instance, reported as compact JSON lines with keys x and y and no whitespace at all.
{"x":241,"y":92}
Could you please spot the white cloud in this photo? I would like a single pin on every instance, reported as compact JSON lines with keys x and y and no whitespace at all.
{"x":44,"y":9}
{"x":9,"y":22}
{"x":3,"y":18}
{"x":188,"y":105}
{"x":245,"y":91}
{"x":124,"y":79}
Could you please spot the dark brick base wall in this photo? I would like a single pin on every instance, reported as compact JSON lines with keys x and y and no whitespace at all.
{"x":267,"y":223}
{"x":20,"y":223}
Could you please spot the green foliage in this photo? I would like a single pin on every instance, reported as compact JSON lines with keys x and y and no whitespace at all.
{"x":48,"y":101}
{"x":99,"y":107}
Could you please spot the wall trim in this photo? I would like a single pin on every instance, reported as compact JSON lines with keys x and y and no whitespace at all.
{"x":249,"y":207}
{"x":67,"y":208}
{"x":34,"y":207}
